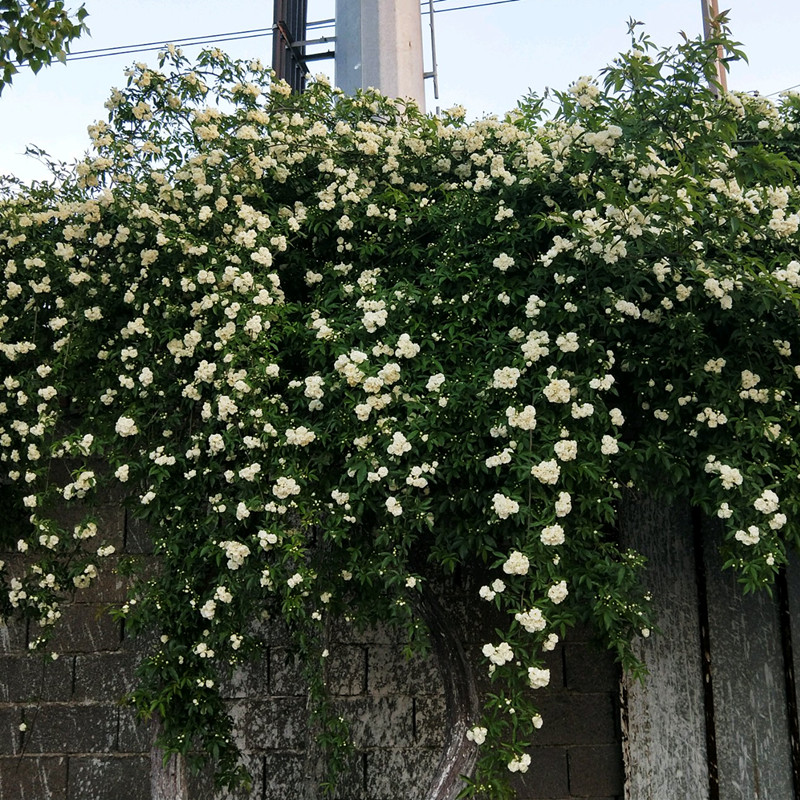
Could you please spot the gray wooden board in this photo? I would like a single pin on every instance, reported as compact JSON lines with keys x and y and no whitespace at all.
{"x":665,"y":741}
{"x":749,"y":687}
{"x":793,"y":591}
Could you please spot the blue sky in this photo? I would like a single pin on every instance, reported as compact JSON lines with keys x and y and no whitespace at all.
{"x":488,"y":57}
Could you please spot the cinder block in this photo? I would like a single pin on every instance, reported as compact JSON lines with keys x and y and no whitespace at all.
{"x":547,"y":776}
{"x":137,"y":537}
{"x":285,"y":673}
{"x":85,"y":628}
{"x":272,"y":724}
{"x":109,"y":778}
{"x":10,"y":736}
{"x":33,"y":678}
{"x":379,"y":721}
{"x":134,"y":736}
{"x":108,"y":587}
{"x":392,"y":773}
{"x":429,"y":721}
{"x":571,"y":719}
{"x":249,"y":679}
{"x":596,"y":771}
{"x":62,"y":729}
{"x":588,"y":666}
{"x":390,"y":672}
{"x":33,"y":778}
{"x":201,"y":785}
{"x":13,"y":636}
{"x":347,"y":670}
{"x":103,"y":677}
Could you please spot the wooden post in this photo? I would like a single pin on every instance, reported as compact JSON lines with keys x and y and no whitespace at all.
{"x":664,"y":735}
{"x":750,"y":709}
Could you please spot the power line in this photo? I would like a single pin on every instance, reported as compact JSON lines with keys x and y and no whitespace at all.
{"x":235,"y":36}
{"x":189,"y":41}
{"x":787,"y":89}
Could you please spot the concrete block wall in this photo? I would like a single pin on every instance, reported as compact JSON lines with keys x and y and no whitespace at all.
{"x":79,"y":743}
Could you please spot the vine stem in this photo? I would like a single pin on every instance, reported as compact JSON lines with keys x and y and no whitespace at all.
{"x":461,"y":700}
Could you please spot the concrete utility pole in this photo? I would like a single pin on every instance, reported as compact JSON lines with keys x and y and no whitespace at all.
{"x":379,"y":44}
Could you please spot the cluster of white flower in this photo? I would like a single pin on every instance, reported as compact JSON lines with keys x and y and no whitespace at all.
{"x":566,"y":449}
{"x":546,"y":472}
{"x":729,"y":476}
{"x":505,"y":377}
{"x":477,"y":734}
{"x":552,"y":535}
{"x":532,"y":620}
{"x":517,"y":563}
{"x":558,"y":391}
{"x":519,"y":763}
{"x":236,"y":553}
{"x":524,"y":419}
{"x":504,"y":506}
{"x":499,"y":655}
{"x":538,"y":678}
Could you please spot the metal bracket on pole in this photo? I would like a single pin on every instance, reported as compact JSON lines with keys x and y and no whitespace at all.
{"x":434,"y":72}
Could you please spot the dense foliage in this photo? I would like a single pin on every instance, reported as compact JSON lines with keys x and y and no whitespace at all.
{"x":331,"y":349}
{"x":35,"y":34}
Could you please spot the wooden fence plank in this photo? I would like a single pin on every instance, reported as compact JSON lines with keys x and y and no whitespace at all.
{"x":664,"y":736}
{"x":750,"y":711}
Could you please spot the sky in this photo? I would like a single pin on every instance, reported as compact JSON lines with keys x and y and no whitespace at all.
{"x":488,"y":57}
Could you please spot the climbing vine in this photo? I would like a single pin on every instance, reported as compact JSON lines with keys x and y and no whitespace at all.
{"x":331,"y":350}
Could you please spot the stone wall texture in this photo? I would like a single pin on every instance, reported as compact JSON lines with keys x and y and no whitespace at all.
{"x":80,"y":743}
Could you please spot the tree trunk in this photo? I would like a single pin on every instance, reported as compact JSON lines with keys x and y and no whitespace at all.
{"x":461,"y":701}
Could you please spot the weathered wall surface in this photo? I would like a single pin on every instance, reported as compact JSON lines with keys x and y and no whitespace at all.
{"x":80,"y":744}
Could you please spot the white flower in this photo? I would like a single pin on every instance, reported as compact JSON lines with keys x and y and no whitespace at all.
{"x":222,"y":594}
{"x":300,"y":436}
{"x":546,"y":471}
{"x":568,"y":342}
{"x":236,"y":553}
{"x":563,"y":504}
{"x":504,"y":506}
{"x":525,"y":419}
{"x":552,"y":535}
{"x":557,"y":391}
{"x":295,"y":580}
{"x":121,"y":473}
{"x":284,"y":487}
{"x":749,"y":537}
{"x":405,"y":347}
{"x":538,"y":678}
{"x":394,"y":507}
{"x":208,"y":609}
{"x":566,"y":449}
{"x":516,"y":564}
{"x":609,"y":445}
{"x":520,"y":763}
{"x":503,"y":262}
{"x":498,"y":655}
{"x":477,"y":734}
{"x":399,"y":444}
{"x":533,"y":620}
{"x":126,"y":427}
{"x":558,"y":592}
{"x":435,"y":382}
{"x":768,"y":503}
{"x":505,"y":378}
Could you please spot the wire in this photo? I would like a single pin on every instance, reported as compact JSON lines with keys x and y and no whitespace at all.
{"x":189,"y":41}
{"x":235,"y":36}
{"x":475,"y":5}
{"x":787,"y":89}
